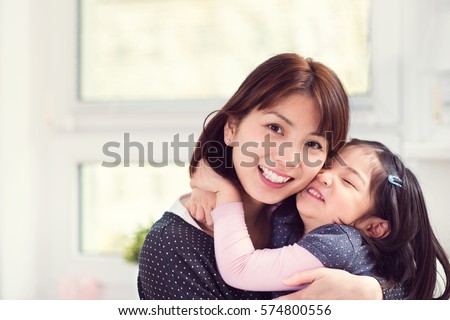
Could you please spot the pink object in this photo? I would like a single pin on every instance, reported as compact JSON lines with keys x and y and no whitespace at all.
{"x":243,"y":267}
{"x":79,"y":288}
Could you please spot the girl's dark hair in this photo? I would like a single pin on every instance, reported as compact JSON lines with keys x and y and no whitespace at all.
{"x":408,"y":254}
{"x":276,"y":78}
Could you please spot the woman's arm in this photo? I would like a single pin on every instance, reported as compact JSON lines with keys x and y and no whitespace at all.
{"x":243,"y":267}
{"x":333,"y":284}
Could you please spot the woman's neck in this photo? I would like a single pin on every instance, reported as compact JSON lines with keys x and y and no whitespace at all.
{"x":252,"y":208}
{"x":257,"y":222}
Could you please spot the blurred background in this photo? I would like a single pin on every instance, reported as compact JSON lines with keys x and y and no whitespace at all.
{"x":100,"y":100}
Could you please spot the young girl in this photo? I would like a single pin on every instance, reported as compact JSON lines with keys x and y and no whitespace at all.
{"x":364,"y":214}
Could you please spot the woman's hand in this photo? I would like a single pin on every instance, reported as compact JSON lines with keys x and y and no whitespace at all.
{"x":333,"y":284}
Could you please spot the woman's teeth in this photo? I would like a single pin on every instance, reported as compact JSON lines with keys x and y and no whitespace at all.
{"x":272,"y":176}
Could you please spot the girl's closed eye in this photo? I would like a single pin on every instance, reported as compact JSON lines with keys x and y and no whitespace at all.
{"x":349,"y":183}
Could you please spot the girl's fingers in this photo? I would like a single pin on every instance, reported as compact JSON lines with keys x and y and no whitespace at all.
{"x":200,"y":214}
{"x":208,"y":217}
{"x":192,"y":209}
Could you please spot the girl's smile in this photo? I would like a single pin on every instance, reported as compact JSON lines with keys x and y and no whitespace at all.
{"x":315,"y":193}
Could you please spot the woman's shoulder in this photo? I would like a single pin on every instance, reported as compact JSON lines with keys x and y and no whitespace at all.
{"x":171,"y":235}
{"x":174,"y":225}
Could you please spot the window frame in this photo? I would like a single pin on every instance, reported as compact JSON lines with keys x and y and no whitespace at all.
{"x":68,"y":113}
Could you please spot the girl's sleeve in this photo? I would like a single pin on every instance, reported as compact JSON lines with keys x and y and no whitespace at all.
{"x":243,"y":267}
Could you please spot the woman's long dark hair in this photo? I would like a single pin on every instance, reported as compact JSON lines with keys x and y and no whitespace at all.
{"x":409,"y":253}
{"x":273,"y":80}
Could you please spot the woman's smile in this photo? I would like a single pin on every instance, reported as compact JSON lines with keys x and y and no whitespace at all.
{"x":273,"y":179}
{"x":271,"y":146}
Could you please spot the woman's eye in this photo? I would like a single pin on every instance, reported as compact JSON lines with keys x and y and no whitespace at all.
{"x":314,"y":144}
{"x":275,"y":128}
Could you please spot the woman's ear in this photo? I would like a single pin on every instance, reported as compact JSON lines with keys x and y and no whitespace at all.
{"x":375,"y":227}
{"x":229,"y":130}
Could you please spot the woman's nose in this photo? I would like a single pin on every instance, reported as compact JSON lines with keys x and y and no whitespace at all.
{"x":287,"y":154}
{"x":325,"y":178}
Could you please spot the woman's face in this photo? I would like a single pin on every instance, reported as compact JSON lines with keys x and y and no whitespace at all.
{"x":277,"y":151}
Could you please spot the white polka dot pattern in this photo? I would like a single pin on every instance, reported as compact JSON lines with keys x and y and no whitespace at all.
{"x":177,"y":262}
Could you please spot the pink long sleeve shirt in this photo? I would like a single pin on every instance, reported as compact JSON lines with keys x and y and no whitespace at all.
{"x":244,"y":267}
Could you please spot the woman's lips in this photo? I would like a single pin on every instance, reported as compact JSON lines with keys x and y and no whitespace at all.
{"x":273,"y":179}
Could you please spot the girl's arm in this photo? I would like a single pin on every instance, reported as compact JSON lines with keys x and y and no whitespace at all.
{"x":243,"y":267}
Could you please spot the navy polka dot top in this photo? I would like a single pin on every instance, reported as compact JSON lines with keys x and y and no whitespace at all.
{"x":177,"y":262}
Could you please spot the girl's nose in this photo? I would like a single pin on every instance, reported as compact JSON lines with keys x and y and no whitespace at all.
{"x":325,"y":178}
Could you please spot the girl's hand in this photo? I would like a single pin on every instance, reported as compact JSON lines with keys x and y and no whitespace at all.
{"x":333,"y":284}
{"x":200,"y":206}
{"x":207,"y":179}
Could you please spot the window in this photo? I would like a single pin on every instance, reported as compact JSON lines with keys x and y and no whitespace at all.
{"x":116,"y":202}
{"x":201,"y":49}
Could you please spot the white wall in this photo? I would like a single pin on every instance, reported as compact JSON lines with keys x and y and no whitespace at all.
{"x":433,"y":176}
{"x":18,"y":215}
{"x":28,"y":258}
{"x":426,"y":145}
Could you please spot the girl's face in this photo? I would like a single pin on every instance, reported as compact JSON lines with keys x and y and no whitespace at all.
{"x":340,"y":194}
{"x":277,"y":151}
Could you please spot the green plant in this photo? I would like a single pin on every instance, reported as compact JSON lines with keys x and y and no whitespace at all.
{"x":134,"y":245}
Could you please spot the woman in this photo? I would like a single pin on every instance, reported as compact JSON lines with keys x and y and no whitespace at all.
{"x":271,"y":139}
